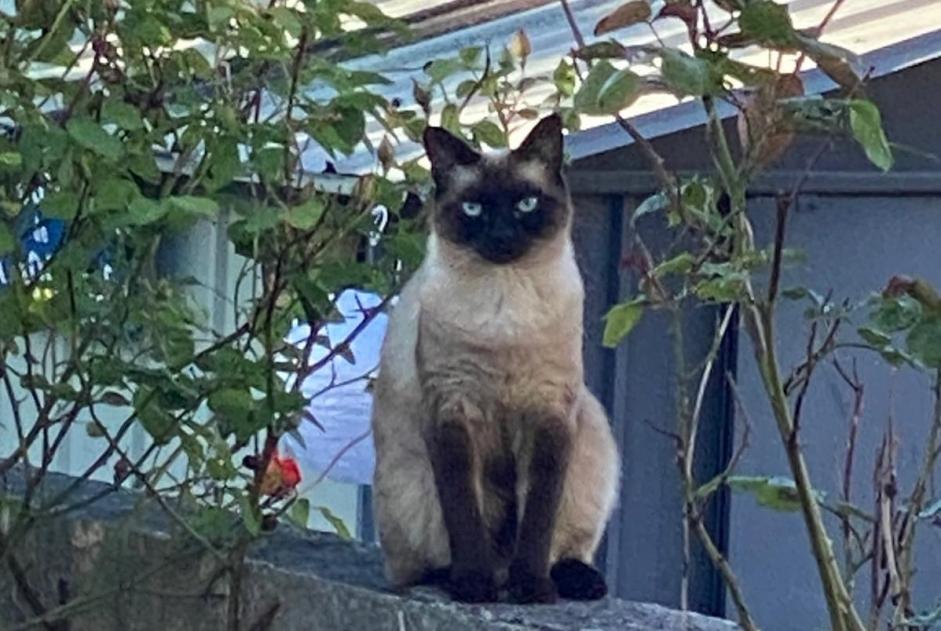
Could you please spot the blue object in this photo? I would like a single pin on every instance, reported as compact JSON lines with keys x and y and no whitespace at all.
{"x":39,"y":238}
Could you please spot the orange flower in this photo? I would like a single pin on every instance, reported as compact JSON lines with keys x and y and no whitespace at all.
{"x":281,"y":476}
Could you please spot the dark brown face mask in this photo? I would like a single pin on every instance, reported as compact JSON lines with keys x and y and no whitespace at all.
{"x":499,"y":207}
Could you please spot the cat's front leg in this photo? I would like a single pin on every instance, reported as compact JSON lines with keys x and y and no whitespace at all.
{"x":456,"y":469}
{"x":550,"y":448}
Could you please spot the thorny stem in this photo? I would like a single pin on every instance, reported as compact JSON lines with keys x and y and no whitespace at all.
{"x":843,"y":615}
{"x":759,"y":320}
{"x":906,"y":536}
{"x":858,"y":391}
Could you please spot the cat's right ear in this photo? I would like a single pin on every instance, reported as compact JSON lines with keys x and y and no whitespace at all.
{"x":446,"y":151}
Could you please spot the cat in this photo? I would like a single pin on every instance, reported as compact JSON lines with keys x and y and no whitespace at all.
{"x":496,"y":468}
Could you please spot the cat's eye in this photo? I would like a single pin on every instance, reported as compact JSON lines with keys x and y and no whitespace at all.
{"x":472,"y":209}
{"x":527,"y":204}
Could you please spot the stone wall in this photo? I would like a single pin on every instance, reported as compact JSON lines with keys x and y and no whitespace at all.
{"x":121,"y":563}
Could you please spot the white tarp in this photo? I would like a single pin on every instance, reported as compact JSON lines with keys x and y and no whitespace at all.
{"x":340,"y":401}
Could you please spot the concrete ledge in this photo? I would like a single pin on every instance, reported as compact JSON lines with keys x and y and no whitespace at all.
{"x":121,"y":563}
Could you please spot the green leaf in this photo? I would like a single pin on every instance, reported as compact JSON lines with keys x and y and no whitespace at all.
{"x":153,"y":417}
{"x":336,"y":522}
{"x":121,"y":114}
{"x":725,"y":288}
{"x":777,"y":493}
{"x":440,"y":69}
{"x":94,"y":429}
{"x":7,"y":241}
{"x":251,"y":516}
{"x":866,"y":124}
{"x":679,"y":264}
{"x":219,"y":16}
{"x":465,"y":88}
{"x":232,"y":402}
{"x":564,"y":78}
{"x":489,"y":133}
{"x":685,"y":74}
{"x":299,"y":514}
{"x":450,"y":120}
{"x":306,"y":216}
{"x":470,"y":55}
{"x":874,"y":337}
{"x":620,"y":90}
{"x":366,"y":11}
{"x":351,"y":127}
{"x":287,"y":20}
{"x":10,"y":160}
{"x":654,"y":203}
{"x":768,"y":22}
{"x":931,"y":511}
{"x":896,"y":314}
{"x":200,"y":206}
{"x":620,"y":320}
{"x":143,"y":211}
{"x":114,"y":193}
{"x":90,"y":135}
{"x":924,"y":341}
{"x":586,"y":99}
{"x":60,"y":205}
{"x":897,"y":357}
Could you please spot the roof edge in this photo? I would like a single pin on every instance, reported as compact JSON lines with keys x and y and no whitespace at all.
{"x":661,"y":122}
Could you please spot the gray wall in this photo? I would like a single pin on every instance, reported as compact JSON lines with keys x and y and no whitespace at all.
{"x":858,"y":227}
{"x":854,"y":244}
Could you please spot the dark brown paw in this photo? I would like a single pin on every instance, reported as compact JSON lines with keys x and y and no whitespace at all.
{"x":472,"y":587}
{"x":576,"y":580}
{"x":526,"y":588}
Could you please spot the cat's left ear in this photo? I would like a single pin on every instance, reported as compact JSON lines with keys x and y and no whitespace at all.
{"x":544,"y":143}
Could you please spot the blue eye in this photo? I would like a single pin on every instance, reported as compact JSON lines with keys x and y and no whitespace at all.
{"x":472,"y":209}
{"x":527,"y":204}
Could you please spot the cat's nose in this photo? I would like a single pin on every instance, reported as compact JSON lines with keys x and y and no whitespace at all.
{"x":502,"y":232}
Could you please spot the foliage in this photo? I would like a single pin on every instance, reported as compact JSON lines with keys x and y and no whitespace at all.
{"x":141,"y":121}
{"x":137,"y":123}
{"x":715,"y":260}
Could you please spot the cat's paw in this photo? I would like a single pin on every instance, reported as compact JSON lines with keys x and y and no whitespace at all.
{"x":576,"y":580}
{"x":526,"y":588}
{"x":472,"y":586}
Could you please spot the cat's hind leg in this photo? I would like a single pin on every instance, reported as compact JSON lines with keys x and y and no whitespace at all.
{"x":589,"y":496}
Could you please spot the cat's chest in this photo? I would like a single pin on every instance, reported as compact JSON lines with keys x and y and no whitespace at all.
{"x":507,"y":311}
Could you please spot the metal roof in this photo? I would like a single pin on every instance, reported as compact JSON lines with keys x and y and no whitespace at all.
{"x":888,"y":35}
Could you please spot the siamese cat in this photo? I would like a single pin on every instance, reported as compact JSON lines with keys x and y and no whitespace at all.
{"x":496,"y":468}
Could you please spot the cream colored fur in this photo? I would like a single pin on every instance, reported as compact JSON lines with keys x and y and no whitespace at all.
{"x":496,"y":342}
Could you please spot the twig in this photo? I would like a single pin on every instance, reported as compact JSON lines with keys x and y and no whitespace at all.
{"x":694,"y":515}
{"x":340,"y":454}
{"x":915,"y":503}
{"x":783,"y":205}
{"x":858,"y":390}
{"x":23,"y":586}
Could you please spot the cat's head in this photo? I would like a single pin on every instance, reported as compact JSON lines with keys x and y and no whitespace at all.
{"x":501,"y":206}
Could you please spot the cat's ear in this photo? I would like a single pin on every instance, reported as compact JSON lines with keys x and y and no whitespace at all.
{"x":446,"y":151}
{"x":544,"y":143}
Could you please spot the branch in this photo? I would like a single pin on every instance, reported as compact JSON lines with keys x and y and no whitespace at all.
{"x":858,"y":390}
{"x":783,"y":205}
{"x":657,"y":163}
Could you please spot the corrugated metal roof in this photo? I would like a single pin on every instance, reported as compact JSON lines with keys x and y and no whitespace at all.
{"x":876,"y":29}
